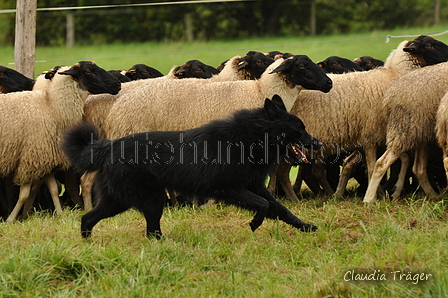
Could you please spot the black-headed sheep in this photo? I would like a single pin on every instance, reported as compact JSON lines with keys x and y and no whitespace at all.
{"x":33,"y":122}
{"x":347,"y":110}
{"x":166,"y":104}
{"x":13,"y":81}
{"x":405,"y":122}
{"x":368,"y":62}
{"x":142,"y":71}
{"x":336,"y":64}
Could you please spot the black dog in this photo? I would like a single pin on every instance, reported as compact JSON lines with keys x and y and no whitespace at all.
{"x":227,"y":159}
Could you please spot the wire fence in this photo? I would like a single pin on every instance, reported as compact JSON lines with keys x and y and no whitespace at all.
{"x":387,"y":40}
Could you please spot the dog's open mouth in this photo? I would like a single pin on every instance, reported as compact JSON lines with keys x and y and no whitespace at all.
{"x":299,"y":154}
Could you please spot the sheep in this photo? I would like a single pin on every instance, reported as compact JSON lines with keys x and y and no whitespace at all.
{"x":195,"y":69}
{"x":182,"y":104}
{"x":442,"y":129}
{"x":119,"y":76}
{"x":405,"y":122}
{"x":434,"y":50}
{"x":250,"y":66}
{"x":368,"y":62}
{"x":336,"y":64}
{"x":13,"y":81}
{"x":30,"y":140}
{"x":340,"y":117}
{"x":142,"y":71}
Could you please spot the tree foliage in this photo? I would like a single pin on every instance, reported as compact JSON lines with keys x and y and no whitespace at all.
{"x":218,"y":20}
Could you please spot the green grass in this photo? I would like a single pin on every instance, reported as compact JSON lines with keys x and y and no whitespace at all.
{"x":163,"y":56}
{"x":211,"y":252}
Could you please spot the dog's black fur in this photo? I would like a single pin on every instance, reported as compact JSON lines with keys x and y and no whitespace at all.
{"x":227,"y":159}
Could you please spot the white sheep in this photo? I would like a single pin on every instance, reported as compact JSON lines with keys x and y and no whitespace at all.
{"x":340,"y":117}
{"x":407,"y":122}
{"x":442,"y":129}
{"x":183,"y":104}
{"x":250,"y":66}
{"x":33,"y":122}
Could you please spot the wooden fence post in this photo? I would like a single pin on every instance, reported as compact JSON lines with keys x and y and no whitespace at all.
{"x":25,"y":37}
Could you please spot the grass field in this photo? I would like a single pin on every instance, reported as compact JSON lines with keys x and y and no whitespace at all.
{"x":163,"y":56}
{"x":400,"y":246}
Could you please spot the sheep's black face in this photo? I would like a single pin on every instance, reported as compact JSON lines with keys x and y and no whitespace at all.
{"x":368,"y":63}
{"x":195,"y":69}
{"x":142,"y":71}
{"x":431,"y":50}
{"x":255,"y":63}
{"x":335,"y":64}
{"x":288,"y":130}
{"x":93,"y":78}
{"x":12,"y":81}
{"x":299,"y":70}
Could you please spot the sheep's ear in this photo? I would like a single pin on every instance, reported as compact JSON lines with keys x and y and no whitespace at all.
{"x":284,"y":66}
{"x":74,"y":71}
{"x":277,"y":100}
{"x":242,"y":64}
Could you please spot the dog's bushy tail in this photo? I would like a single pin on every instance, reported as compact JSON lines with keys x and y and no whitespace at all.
{"x":84,"y":148}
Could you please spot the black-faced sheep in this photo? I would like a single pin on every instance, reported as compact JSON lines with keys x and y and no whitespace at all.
{"x":442,"y":129}
{"x":346,"y":111}
{"x":434,"y":50}
{"x":142,"y":71}
{"x":119,"y":76}
{"x":13,"y":81}
{"x":195,"y":69}
{"x":33,"y":122}
{"x":152,"y":108}
{"x":406,"y":122}
{"x":336,"y":64}
{"x":368,"y":62}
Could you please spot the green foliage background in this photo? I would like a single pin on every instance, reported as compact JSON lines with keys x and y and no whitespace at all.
{"x":219,"y":20}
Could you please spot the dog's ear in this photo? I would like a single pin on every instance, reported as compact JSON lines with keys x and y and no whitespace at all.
{"x":271,"y":109}
{"x":277,"y":100}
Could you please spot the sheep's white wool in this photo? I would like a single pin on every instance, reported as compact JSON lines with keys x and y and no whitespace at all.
{"x":189,"y":103}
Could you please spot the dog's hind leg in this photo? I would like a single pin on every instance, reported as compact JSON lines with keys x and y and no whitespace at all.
{"x":152,"y":209}
{"x":105,"y":208}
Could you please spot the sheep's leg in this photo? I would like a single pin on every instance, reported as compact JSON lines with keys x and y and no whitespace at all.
{"x":319,"y":172}
{"x":404,"y":158}
{"x":348,"y":167}
{"x":24,"y":194}
{"x":381,"y":166}
{"x":420,"y":170}
{"x":310,"y":180}
{"x":33,"y":193}
{"x":272,"y":185}
{"x":72,"y":187}
{"x":86,"y":189}
{"x":53,"y":187}
{"x":370,"y":154}
{"x":172,"y":196}
{"x":283,"y":170}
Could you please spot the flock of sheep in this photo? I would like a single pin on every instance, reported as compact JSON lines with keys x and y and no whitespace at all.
{"x":394,"y":111}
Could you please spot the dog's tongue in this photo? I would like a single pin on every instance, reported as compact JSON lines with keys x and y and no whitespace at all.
{"x":300,"y":154}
